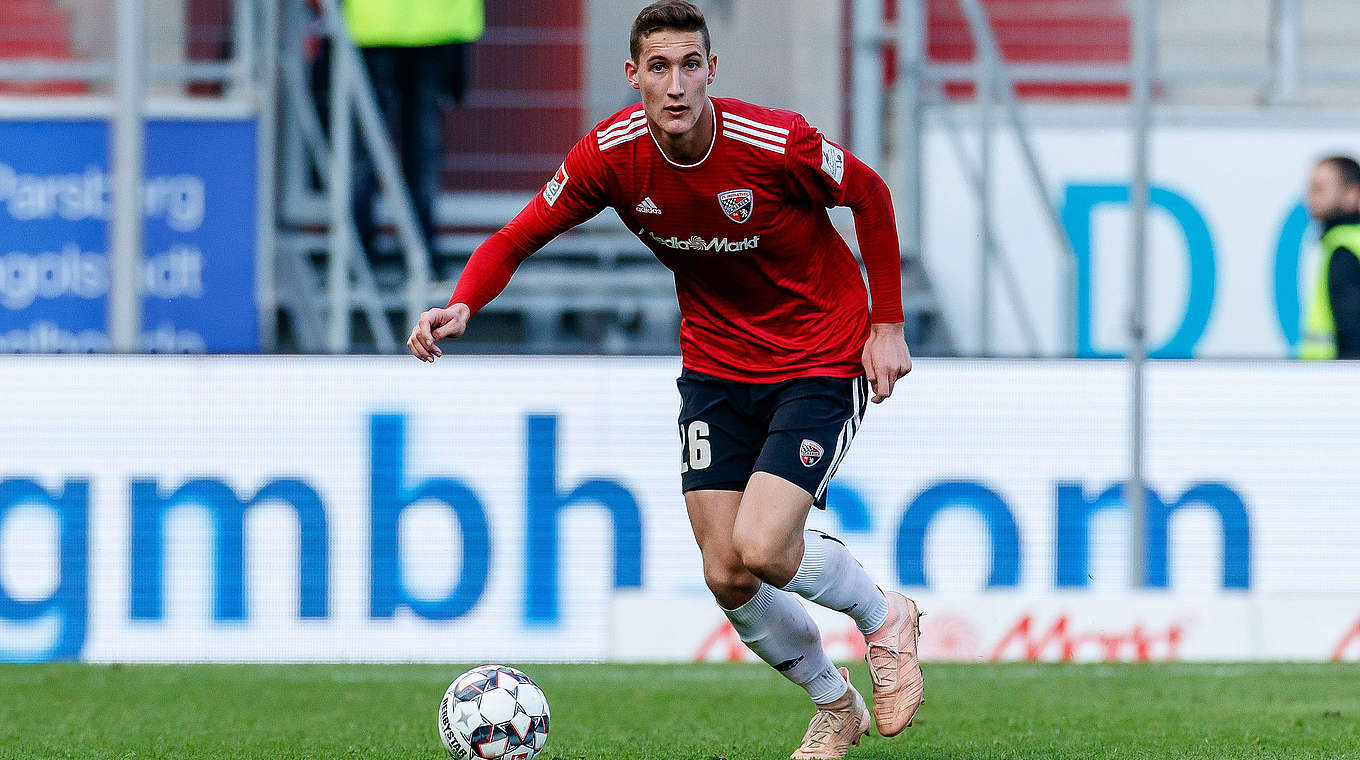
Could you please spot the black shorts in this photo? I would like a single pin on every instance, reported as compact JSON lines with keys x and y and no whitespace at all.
{"x":797,"y":429}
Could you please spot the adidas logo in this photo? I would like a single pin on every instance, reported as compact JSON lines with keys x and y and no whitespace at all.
{"x":647,"y":207}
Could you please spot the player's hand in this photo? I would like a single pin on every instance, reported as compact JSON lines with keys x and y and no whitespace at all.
{"x":435,"y":325}
{"x":886,"y":359}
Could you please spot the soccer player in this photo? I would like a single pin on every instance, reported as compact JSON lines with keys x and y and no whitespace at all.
{"x":780,"y":349}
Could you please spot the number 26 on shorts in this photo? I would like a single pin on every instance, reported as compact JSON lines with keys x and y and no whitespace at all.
{"x":695,"y":449}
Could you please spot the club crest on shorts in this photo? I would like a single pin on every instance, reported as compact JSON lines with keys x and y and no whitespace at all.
{"x":737,"y":204}
{"x":810,"y":452}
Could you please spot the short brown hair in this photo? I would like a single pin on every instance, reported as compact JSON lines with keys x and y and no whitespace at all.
{"x":1346,"y":168}
{"x":674,"y":15}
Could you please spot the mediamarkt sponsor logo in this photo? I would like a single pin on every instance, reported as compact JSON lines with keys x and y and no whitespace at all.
{"x":696,"y":243}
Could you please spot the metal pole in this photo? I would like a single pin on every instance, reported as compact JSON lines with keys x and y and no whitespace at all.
{"x":316,"y":149}
{"x":999,"y":262}
{"x":911,"y":60}
{"x":243,"y":42}
{"x":128,"y":162}
{"x":866,"y":80}
{"x":1138,"y":197}
{"x":1285,"y":42}
{"x":374,"y":133}
{"x":342,"y":151}
{"x":294,"y":172}
{"x":986,"y":96}
{"x":266,"y":170}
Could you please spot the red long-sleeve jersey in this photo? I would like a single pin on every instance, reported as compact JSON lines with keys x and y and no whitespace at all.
{"x":768,"y":290}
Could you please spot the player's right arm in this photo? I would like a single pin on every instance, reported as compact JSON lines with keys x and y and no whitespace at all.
{"x":576,"y":193}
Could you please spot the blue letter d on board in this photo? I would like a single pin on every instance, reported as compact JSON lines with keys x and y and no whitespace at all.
{"x":1081,"y":202}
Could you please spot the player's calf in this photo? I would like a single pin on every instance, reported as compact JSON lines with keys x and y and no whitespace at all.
{"x":829,"y":575}
{"x":779,"y":630}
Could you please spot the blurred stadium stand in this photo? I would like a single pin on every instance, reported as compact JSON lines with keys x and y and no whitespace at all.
{"x":535,"y":88}
{"x":1209,"y":52}
{"x":594,"y":290}
{"x":1076,"y":32}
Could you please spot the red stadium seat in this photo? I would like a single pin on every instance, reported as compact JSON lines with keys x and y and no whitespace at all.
{"x":35,"y":29}
{"x":1038,"y":31}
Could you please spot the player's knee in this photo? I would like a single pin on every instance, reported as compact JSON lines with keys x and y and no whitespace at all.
{"x":764,"y":557}
{"x":730,"y":582}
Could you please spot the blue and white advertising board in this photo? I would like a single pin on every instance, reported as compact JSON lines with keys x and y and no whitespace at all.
{"x":1232,"y":255}
{"x":199,"y":203}
{"x":527,"y":509}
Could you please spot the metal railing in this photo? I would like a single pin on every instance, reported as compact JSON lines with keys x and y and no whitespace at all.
{"x":919,"y":92}
{"x":352,"y":97}
{"x":993,"y":82}
{"x":919,"y":86}
{"x":325,"y":152}
{"x":239,"y":73}
{"x":306,"y":310}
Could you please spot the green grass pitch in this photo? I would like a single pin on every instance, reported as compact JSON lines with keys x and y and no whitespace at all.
{"x":639,"y":712}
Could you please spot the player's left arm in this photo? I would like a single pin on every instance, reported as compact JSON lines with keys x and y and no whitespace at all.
{"x":886,"y":357}
{"x":828,"y":174}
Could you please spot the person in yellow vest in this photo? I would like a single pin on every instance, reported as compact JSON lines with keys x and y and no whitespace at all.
{"x":416,"y":52}
{"x":1331,"y":324}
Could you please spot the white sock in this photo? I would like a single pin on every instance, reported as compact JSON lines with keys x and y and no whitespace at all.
{"x":830,"y":576}
{"x":781,"y":632}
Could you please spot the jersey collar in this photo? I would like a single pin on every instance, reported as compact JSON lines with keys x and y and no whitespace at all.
{"x":714,"y":108}
{"x":1339,"y":220}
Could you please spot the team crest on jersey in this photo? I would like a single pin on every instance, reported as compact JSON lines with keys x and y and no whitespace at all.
{"x":810,"y":452}
{"x":555,"y":185}
{"x":737,"y":204}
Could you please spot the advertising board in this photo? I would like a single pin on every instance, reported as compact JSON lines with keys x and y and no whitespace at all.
{"x":199,"y":203}
{"x":1231,"y":251}
{"x":380,"y":509}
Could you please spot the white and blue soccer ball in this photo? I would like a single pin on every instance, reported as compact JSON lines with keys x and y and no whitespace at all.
{"x":493,"y":712}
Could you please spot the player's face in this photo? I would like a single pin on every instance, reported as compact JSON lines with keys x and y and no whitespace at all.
{"x":673,"y":72}
{"x":1328,"y":196}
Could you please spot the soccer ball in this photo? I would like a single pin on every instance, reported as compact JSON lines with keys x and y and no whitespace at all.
{"x":493,"y":712}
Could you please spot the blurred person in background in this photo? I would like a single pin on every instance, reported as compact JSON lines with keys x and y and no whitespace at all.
{"x":416,"y":52}
{"x":781,"y":350}
{"x":1331,"y":325}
